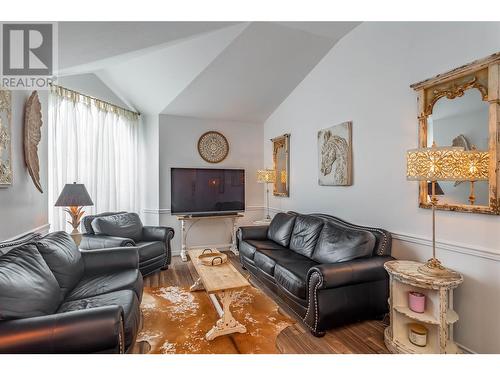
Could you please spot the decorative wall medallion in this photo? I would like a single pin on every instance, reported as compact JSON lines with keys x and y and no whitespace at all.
{"x":32,"y":137}
{"x":5,"y":139}
{"x":335,"y":155}
{"x":213,"y":147}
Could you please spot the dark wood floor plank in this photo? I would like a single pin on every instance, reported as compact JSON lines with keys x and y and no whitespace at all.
{"x":358,"y":338}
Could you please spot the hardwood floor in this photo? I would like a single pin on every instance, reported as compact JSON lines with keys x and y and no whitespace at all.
{"x":358,"y":338}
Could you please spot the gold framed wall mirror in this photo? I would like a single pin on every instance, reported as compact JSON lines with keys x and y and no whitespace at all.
{"x":461,"y":108}
{"x":281,"y":165}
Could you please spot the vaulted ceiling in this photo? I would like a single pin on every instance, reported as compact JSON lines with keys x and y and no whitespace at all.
{"x":219,"y":70}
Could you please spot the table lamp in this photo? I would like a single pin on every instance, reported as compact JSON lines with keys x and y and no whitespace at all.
{"x":266,"y":176}
{"x":74,"y":196}
{"x":433,"y":164}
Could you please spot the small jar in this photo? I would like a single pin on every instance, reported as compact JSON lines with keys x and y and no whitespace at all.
{"x":416,"y":302}
{"x":417,"y":334}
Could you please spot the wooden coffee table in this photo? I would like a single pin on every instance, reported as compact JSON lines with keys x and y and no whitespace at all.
{"x":223,"y":280}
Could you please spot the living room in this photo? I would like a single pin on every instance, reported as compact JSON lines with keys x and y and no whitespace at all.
{"x":211,"y":186}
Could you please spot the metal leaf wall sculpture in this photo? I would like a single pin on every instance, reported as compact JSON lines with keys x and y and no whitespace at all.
{"x":32,"y":137}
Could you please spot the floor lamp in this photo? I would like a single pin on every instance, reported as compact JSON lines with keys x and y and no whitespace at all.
{"x":266,"y":176}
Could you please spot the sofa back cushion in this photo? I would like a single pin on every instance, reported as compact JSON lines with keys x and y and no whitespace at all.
{"x":6,"y":246}
{"x":27,"y":286}
{"x":87,"y":221}
{"x":280,"y":228}
{"x":127,"y":225}
{"x":337,"y":243}
{"x":305,"y":234}
{"x":63,"y":258}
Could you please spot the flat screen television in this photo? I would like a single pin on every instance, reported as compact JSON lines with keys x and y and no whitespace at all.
{"x":206,"y":191}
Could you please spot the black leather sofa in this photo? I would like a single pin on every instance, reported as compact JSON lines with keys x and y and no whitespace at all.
{"x":56,"y":299}
{"x":123,"y":229}
{"x":328,"y":271}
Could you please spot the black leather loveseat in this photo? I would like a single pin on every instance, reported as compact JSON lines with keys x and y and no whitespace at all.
{"x":328,"y":271}
{"x":56,"y":299}
{"x":115,"y":229}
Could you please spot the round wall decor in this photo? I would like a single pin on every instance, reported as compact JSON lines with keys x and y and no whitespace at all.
{"x":213,"y":147}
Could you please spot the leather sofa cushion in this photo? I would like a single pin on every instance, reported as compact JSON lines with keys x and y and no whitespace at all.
{"x":63,"y":258}
{"x":127,"y":299}
{"x":6,"y":246}
{"x":27,"y":286}
{"x":267,"y":260}
{"x":94,"y":285}
{"x":305,"y":234}
{"x":293,"y":277}
{"x":280,"y":228}
{"x":88,"y":219}
{"x":127,"y":225}
{"x":249,"y":247}
{"x":150,"y":250}
{"x":340,"y":244}
{"x":264,"y":262}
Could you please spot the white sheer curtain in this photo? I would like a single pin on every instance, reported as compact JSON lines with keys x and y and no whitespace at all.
{"x":96,"y":144}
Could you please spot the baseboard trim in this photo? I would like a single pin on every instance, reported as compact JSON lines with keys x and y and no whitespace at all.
{"x":43,"y":229}
{"x":465,"y":349}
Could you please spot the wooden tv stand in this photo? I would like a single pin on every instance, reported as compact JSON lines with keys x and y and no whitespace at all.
{"x":188,"y":221}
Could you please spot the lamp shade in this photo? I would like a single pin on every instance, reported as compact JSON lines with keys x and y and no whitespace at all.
{"x":435,"y":163}
{"x":475,"y":165}
{"x":74,"y":195}
{"x":266,"y":176}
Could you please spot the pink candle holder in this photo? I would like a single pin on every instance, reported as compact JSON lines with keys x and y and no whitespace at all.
{"x":416,"y":302}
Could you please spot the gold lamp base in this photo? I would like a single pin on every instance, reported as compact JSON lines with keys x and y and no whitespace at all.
{"x":77,"y":236}
{"x":75,"y":214}
{"x":434,"y":268}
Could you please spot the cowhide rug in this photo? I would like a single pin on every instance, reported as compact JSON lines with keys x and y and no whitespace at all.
{"x":176,"y":321}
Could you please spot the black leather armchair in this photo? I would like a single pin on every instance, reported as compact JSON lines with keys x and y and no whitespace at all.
{"x":122,"y":229}
{"x":56,"y":299}
{"x":328,"y":271}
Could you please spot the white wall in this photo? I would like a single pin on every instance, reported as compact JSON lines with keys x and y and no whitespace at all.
{"x":178,"y":148}
{"x":149,"y":161}
{"x":365,"y":78}
{"x":22,"y":207}
{"x":90,"y":84}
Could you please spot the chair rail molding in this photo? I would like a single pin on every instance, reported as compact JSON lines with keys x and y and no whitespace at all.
{"x":455,"y":247}
{"x":167,"y":211}
{"x":467,"y":249}
{"x":42,"y":229}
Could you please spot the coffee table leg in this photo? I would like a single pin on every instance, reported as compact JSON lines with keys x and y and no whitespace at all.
{"x":226,"y":324}
{"x":198,"y":285}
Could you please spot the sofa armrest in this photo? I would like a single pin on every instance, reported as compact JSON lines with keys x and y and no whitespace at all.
{"x":356,"y":271}
{"x":101,"y":241}
{"x":92,"y":330}
{"x":163,"y":234}
{"x":108,"y":260}
{"x":258,"y":232}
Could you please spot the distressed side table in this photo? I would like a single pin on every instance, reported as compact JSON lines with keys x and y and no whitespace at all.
{"x":438,"y":316}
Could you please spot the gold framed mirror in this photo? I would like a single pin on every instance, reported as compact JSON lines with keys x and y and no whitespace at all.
{"x":461,"y":108}
{"x":281,"y":165}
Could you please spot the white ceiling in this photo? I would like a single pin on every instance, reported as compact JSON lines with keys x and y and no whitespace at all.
{"x":88,"y":42}
{"x":232,"y":71}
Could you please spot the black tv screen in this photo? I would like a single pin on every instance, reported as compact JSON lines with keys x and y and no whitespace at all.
{"x":205,"y":191}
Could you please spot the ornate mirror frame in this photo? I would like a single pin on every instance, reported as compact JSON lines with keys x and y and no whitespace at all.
{"x":283,"y":141}
{"x":483,"y":75}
